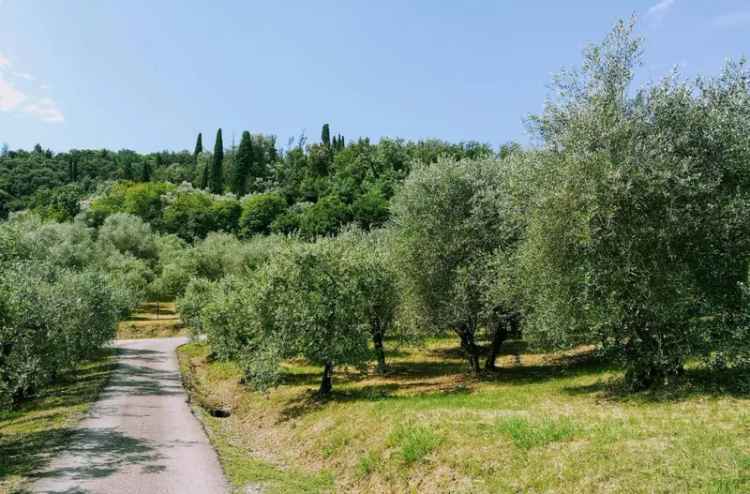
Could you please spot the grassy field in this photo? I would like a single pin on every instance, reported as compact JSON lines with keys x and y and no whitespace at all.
{"x":542,"y":423}
{"x":152,"y":321}
{"x":40,"y":428}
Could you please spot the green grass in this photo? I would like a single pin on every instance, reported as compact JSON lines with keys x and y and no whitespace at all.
{"x":526,"y":435}
{"x":543,"y":423}
{"x":37,"y":429}
{"x":413,"y":442}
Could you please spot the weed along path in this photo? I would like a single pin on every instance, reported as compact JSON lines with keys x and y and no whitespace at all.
{"x":140,"y":436}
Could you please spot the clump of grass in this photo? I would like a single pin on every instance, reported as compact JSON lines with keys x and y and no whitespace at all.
{"x":368,"y":463}
{"x":335,"y":442}
{"x":414,"y":442}
{"x":526,"y":435}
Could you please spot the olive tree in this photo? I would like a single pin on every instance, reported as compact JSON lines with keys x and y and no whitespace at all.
{"x":639,"y":226}
{"x":306,"y":304}
{"x":51,"y":319}
{"x":377,"y":282}
{"x":449,"y":219}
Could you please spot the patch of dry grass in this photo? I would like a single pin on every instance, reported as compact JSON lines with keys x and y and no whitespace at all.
{"x":542,"y":423}
{"x":152,"y":320}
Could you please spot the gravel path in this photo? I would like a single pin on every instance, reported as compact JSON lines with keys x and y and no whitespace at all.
{"x":140,"y":437}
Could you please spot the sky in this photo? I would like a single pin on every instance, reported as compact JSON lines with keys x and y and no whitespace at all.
{"x":149,"y":75}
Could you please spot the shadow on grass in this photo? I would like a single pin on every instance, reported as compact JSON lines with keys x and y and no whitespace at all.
{"x":408,"y":379}
{"x":509,"y":347}
{"x":696,"y":382}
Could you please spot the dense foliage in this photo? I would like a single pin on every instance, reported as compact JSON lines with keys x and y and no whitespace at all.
{"x":639,"y":230}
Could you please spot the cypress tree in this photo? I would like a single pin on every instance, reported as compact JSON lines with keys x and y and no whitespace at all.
{"x":204,"y":176}
{"x":73,"y":170}
{"x":243,"y":164}
{"x":216,"y":180}
{"x":325,"y":136}
{"x":146,"y":172}
{"x":197,"y":151}
{"x":127,"y":170}
{"x":198,"y":145}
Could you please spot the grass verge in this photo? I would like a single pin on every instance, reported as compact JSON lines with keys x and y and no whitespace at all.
{"x":38,"y":429}
{"x":542,"y":423}
{"x":152,"y":320}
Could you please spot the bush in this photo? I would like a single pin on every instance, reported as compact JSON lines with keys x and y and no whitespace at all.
{"x":226,"y":318}
{"x":191,"y":303}
{"x":60,"y":203}
{"x":128,"y":234}
{"x":370,"y":209}
{"x":289,"y":221}
{"x":324,"y":218}
{"x":139,"y":199}
{"x":259,"y":211}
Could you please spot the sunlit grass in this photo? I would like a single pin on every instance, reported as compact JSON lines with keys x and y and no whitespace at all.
{"x":152,"y":320}
{"x":542,"y":423}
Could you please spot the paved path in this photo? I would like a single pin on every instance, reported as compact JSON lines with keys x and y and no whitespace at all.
{"x":140,"y":437}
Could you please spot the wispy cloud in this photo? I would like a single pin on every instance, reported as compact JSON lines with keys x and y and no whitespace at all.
{"x":733,"y":20}
{"x":45,"y":110}
{"x":13,"y":99}
{"x":10,"y":96}
{"x":658,"y":11}
{"x":24,"y":75}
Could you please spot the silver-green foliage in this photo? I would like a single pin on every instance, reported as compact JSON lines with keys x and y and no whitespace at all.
{"x":51,"y":318}
{"x":639,"y":225}
{"x":308,"y":303}
{"x":60,"y":296}
{"x":450,"y":219}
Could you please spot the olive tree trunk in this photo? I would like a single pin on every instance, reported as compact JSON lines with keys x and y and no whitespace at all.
{"x":506,"y":325}
{"x":468,"y":344}
{"x":326,"y":383}
{"x":377,"y":342}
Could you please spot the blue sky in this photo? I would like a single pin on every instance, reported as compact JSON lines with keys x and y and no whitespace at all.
{"x":148,"y":75}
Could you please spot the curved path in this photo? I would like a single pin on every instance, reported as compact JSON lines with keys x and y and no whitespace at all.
{"x":140,"y":436}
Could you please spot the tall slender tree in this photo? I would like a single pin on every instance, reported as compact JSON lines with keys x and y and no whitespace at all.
{"x":127,"y":170}
{"x":325,"y":135}
{"x":197,"y":151}
{"x":243,"y":164}
{"x":146,"y":171}
{"x":73,"y":170}
{"x":216,"y":180}
{"x":198,"y":145}
{"x":205,"y":173}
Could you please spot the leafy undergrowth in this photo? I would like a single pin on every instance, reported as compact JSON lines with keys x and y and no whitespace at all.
{"x":38,"y":429}
{"x":152,"y":320}
{"x":542,"y":423}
